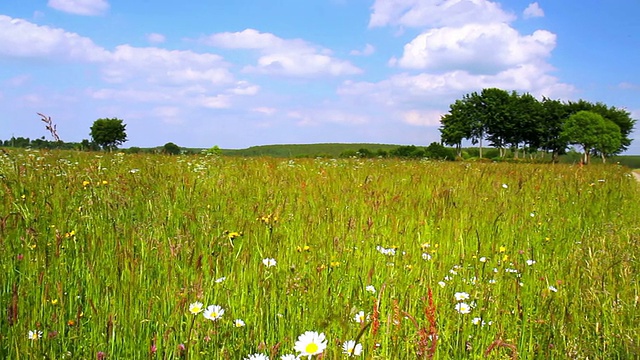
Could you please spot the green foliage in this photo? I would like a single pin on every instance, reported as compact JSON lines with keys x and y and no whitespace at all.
{"x":439,"y":151}
{"x":586,"y":128}
{"x":520,"y":121}
{"x":171,"y":149}
{"x":213,"y":151}
{"x":109,"y":133}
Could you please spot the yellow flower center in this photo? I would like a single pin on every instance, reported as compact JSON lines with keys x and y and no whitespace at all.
{"x":311,"y":348}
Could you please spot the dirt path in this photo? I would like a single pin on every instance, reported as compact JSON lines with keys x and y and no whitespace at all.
{"x":636,"y":174}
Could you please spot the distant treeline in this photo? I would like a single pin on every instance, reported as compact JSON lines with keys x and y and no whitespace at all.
{"x":434,"y":151}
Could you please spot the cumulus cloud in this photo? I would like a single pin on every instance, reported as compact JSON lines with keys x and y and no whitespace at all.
{"x":22,"y":39}
{"x":368,"y":50}
{"x":80,"y":7}
{"x":289,"y":57}
{"x":478,"y":48}
{"x":161,"y":66}
{"x":533,"y":10}
{"x":436,"y":13}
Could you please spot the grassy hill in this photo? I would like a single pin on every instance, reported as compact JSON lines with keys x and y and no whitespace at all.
{"x":306,"y":150}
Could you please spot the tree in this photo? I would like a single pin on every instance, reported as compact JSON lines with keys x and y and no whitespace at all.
{"x":554,"y":114}
{"x":108,"y":133}
{"x":609,"y":140}
{"x":584,"y":128}
{"x":171,"y":149}
{"x":620,"y":117}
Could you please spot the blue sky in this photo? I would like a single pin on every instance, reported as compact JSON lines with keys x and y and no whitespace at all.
{"x":242,"y":73}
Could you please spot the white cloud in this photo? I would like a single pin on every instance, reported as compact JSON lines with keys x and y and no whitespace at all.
{"x":435,"y":13}
{"x":23,"y":39}
{"x":80,"y":7}
{"x":250,"y":39}
{"x":478,"y":48}
{"x":155,"y":38}
{"x":533,"y":10}
{"x":368,"y":50}
{"x":292,"y":57}
{"x":422,"y":117}
{"x":265,"y":110}
{"x":245,"y":88}
{"x":170,"y":67}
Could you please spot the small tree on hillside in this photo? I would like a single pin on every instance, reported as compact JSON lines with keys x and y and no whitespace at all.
{"x":108,"y":133}
{"x":584,"y":128}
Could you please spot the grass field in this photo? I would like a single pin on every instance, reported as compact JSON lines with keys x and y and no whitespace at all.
{"x":113,"y":256}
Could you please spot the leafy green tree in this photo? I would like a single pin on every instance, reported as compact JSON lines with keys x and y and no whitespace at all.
{"x":438,"y":151}
{"x":553,"y":115}
{"x":584,"y":128}
{"x":456,"y":125}
{"x":494,"y":111}
{"x":620,"y":117}
{"x":609,"y":140}
{"x":171,"y":149}
{"x":109,"y":133}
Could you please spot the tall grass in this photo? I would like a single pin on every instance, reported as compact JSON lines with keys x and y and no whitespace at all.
{"x":105,"y":253}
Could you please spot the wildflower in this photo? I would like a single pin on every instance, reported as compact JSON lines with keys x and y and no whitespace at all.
{"x":463,"y":308}
{"x":351,"y":348}
{"x":370,"y":289}
{"x":195,"y":308}
{"x":530,"y":262}
{"x":213,"y":312}
{"x":553,"y":288}
{"x":289,"y":357}
{"x":101,"y":355}
{"x":503,"y":249}
{"x":334,"y":264}
{"x":221,"y":279}
{"x":426,"y":256}
{"x":238,"y":323}
{"x":505,"y":186}
{"x":35,"y":334}
{"x":442,"y":283}
{"x":303,"y":248}
{"x":360,"y":317}
{"x":461,"y":296}
{"x":310,"y":343}
{"x":54,"y":301}
{"x":477,"y":321}
{"x":86,"y":183}
{"x":269,"y":262}
{"x":257,"y":357}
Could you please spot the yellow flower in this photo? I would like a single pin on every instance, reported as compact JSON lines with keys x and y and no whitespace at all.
{"x":104,"y":182}
{"x":335,"y":263}
{"x":86,"y":183}
{"x":304,"y":248}
{"x":503,"y":249}
{"x":54,"y":301}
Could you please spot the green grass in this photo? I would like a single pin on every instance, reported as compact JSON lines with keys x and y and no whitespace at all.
{"x":105,"y":253}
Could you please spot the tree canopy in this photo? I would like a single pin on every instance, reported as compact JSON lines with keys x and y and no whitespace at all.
{"x":520,"y":121}
{"x":109,"y":133}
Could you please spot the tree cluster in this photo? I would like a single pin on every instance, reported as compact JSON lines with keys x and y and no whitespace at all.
{"x":509,"y":120}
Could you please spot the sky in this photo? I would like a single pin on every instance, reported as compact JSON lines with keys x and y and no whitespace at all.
{"x":240,"y":73}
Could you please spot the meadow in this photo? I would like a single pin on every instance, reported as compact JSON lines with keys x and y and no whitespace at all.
{"x":131,"y":256}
